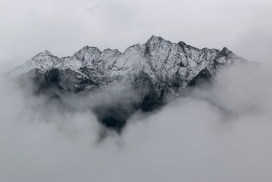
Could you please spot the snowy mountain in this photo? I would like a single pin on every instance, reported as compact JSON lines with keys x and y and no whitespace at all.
{"x":141,"y":78}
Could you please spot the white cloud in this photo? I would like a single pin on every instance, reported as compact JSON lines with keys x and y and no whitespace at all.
{"x":219,"y":134}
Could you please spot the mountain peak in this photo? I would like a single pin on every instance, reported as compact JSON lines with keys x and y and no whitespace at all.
{"x":181,"y":43}
{"x":225,"y":52}
{"x":47,"y":53}
{"x":154,"y":38}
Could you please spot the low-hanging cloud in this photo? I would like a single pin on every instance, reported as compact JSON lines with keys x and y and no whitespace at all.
{"x":220,"y":133}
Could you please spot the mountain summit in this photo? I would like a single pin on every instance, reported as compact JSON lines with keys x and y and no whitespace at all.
{"x":116,"y":84}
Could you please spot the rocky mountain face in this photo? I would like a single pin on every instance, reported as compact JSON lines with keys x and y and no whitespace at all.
{"x":114,"y":85}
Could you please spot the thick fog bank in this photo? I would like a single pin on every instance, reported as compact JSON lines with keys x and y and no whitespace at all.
{"x":221,"y":133}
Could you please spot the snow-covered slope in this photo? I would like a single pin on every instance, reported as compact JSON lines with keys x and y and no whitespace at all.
{"x":43,"y":61}
{"x":159,"y":65}
{"x":157,"y":57}
{"x":152,"y":71}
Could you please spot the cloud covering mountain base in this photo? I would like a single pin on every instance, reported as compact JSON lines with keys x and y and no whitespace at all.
{"x":220,"y":133}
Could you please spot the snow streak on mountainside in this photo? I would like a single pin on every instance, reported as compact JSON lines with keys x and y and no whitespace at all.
{"x":157,"y":57}
{"x":140,"y":78}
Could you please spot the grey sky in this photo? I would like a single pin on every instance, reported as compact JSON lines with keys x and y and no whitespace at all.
{"x":64,"y":26}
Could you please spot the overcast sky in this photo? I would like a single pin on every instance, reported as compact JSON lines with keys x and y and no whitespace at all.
{"x":64,"y":26}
